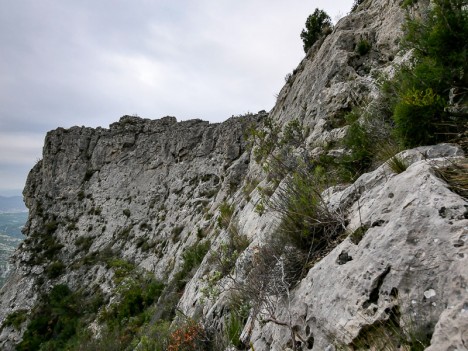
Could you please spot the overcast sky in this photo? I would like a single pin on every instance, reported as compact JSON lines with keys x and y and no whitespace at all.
{"x":89,"y":62}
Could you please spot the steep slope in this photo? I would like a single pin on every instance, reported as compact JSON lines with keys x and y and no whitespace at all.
{"x":140,"y":190}
{"x":183,"y":201}
{"x":409,"y":264}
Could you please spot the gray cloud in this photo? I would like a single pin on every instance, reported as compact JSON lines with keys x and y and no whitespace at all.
{"x":88,"y":62}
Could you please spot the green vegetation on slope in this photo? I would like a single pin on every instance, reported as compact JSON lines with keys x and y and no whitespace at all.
{"x":421,"y":89}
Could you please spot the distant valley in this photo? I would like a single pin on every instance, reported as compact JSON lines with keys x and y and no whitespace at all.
{"x":13,"y":216}
{"x":12,"y":204}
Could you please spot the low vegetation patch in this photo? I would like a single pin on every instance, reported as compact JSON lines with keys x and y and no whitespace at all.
{"x":192,"y":258}
{"x":363,"y":47}
{"x":420,"y":90}
{"x":15,"y":319}
{"x":391,"y":334}
{"x":456,"y":175}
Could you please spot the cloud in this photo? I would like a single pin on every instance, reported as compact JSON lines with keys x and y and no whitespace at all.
{"x":20,"y":148}
{"x":18,"y":154}
{"x":89,"y":62}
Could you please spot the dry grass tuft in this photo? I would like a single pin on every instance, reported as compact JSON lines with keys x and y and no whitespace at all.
{"x":456,"y":175}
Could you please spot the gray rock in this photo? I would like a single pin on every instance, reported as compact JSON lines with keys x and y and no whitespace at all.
{"x":159,"y":184}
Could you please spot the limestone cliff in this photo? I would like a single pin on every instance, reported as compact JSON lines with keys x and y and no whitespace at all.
{"x":150,"y":192}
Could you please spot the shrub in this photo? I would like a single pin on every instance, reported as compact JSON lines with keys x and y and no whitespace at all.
{"x":235,"y":324}
{"x":54,"y":322}
{"x":83,"y":243}
{"x":358,"y":141}
{"x":190,"y":336}
{"x":393,"y":334}
{"x":89,"y":173}
{"x":441,"y":35}
{"x":125,"y":233}
{"x":363,"y":47}
{"x":122,"y":268}
{"x":176,"y":231}
{"x":72,"y":226}
{"x":416,"y":116}
{"x":397,"y":164}
{"x":50,"y":227}
{"x":224,"y":260}
{"x":49,"y":247}
{"x":317,"y":24}
{"x":145,"y":226}
{"x":16,"y":319}
{"x":192,"y":257}
{"x":306,"y":220}
{"x":54,"y":269}
{"x":156,"y":338}
{"x":225,"y":214}
{"x":263,"y":141}
{"x":273,"y":147}
{"x":421,"y":89}
{"x":134,"y":299}
{"x":126,"y":212}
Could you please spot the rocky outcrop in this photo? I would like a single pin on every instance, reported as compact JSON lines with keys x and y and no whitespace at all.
{"x":140,"y":190}
{"x":334,"y":77}
{"x":146,"y":191}
{"x":411,"y":259}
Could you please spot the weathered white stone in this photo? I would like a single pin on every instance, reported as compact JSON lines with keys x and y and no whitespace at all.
{"x":397,"y":263}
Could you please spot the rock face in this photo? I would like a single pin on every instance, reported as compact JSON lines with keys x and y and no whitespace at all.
{"x":412,"y":257}
{"x":141,"y":188}
{"x":146,"y":191}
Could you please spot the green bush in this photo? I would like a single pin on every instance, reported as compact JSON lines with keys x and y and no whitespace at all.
{"x":441,"y":35}
{"x":421,"y":88}
{"x":47,"y":248}
{"x":15,"y":319}
{"x":298,"y":180}
{"x":122,"y":268}
{"x":363,"y":47}
{"x":392,"y":334}
{"x":359,"y":142}
{"x":273,"y":147}
{"x":416,"y":116}
{"x":176,"y":233}
{"x":192,"y":258}
{"x":60,"y":319}
{"x":225,"y":214}
{"x":50,"y":227}
{"x":316,"y":26}
{"x":234,"y":326}
{"x":83,"y":243}
{"x":156,"y":338}
{"x":55,"y":269}
{"x":54,"y":322}
{"x":134,"y":299}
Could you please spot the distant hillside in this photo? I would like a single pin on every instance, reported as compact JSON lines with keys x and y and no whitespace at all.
{"x":12,"y":204}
